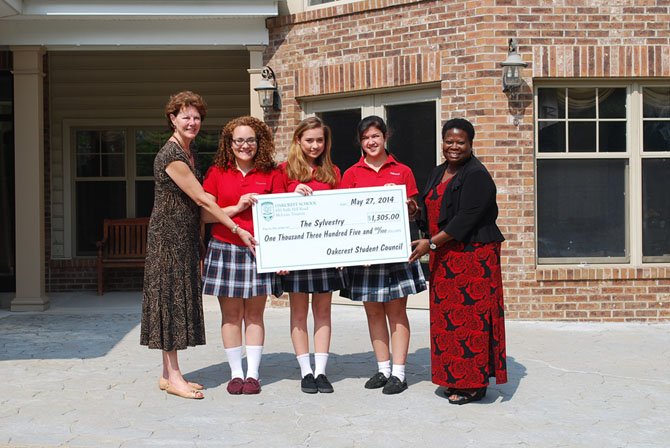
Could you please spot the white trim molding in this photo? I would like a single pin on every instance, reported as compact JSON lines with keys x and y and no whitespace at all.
{"x":140,"y":25}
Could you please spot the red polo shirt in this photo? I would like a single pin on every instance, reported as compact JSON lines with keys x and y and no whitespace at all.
{"x":314,"y":184}
{"x":229,"y":185}
{"x":391,"y":172}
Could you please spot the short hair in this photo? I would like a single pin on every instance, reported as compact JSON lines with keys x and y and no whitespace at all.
{"x":265,"y":147}
{"x":462,"y":124}
{"x":297,"y":166}
{"x":180,"y":100}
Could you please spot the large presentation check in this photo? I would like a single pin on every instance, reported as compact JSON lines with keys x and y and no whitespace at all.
{"x":331,"y":228}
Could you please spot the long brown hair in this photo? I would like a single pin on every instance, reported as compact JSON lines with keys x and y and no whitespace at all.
{"x":265,"y":147}
{"x":297,"y":166}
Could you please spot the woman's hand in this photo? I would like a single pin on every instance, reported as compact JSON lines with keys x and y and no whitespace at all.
{"x":247,"y":239}
{"x":412,"y":209}
{"x":303,"y":190}
{"x":283,"y":272}
{"x":246,"y":201}
{"x":421,"y":248}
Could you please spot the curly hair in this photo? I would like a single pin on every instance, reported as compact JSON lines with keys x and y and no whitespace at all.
{"x":180,"y":100}
{"x":297,"y":166}
{"x":265,"y":147}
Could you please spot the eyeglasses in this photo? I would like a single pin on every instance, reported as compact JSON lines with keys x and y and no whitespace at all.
{"x":251,"y":141}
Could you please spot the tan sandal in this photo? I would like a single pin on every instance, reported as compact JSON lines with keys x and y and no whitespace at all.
{"x":191,"y":394}
{"x":163,"y":384}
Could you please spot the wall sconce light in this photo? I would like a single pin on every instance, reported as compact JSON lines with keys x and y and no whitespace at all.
{"x":268,"y":95}
{"x":512,"y":66}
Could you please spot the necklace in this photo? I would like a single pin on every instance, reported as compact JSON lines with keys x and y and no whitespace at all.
{"x":188,"y":153}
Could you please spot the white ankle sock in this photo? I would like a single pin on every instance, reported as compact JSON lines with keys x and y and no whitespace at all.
{"x":234,"y":356}
{"x":385,"y":367}
{"x":254,"y":353}
{"x":399,"y":371}
{"x":305,"y":366}
{"x":320,"y":361}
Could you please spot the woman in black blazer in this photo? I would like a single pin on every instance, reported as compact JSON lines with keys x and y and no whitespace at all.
{"x":467,"y":324}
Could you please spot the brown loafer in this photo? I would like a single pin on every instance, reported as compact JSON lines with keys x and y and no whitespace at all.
{"x":235,"y":386}
{"x":251,"y":386}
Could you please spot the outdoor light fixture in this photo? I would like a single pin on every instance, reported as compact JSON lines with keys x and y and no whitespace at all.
{"x":512,"y":66}
{"x":268,"y":95}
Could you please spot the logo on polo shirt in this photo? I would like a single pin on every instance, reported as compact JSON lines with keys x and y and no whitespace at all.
{"x":395,"y":174}
{"x":267,"y":210}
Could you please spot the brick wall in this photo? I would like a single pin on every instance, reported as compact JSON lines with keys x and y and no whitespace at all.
{"x":80,"y":274}
{"x":377,"y":44}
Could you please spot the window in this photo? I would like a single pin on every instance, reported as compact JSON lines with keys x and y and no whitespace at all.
{"x":603,"y":165}
{"x":656,"y":173}
{"x":113,"y":176}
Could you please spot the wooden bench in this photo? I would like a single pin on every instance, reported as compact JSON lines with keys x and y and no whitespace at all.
{"x":123,"y":245}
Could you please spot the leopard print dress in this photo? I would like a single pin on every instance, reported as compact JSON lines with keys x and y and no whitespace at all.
{"x":172,"y":315}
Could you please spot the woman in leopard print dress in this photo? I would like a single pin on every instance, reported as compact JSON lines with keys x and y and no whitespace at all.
{"x":172,"y":316}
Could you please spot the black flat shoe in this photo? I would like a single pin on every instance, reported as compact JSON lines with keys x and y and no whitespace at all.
{"x":465,"y":396}
{"x":308,"y":384}
{"x":394,"y":386}
{"x":376,"y":381}
{"x":323,"y":385}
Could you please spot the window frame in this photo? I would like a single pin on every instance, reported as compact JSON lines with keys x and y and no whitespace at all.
{"x":373,"y":103}
{"x":70,"y":127}
{"x":634,"y":154}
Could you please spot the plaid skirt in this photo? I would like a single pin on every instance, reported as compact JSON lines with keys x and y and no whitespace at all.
{"x":383,"y":282}
{"x":313,"y":280}
{"x":230,"y":271}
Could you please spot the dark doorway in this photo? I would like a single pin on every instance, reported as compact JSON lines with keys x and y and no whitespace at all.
{"x":7,"y":231}
{"x":345,"y":150}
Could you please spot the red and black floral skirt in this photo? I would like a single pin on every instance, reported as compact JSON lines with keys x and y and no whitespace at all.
{"x":467,"y":322}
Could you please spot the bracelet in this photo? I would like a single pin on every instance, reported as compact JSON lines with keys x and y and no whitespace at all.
{"x":234,"y":229}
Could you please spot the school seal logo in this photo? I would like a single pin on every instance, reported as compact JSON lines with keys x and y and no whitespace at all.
{"x":267,"y":210}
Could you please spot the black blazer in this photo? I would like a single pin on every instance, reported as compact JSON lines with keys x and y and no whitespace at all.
{"x":469,"y":209}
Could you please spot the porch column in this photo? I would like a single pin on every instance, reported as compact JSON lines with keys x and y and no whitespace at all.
{"x":255,"y":66}
{"x":29,"y":169}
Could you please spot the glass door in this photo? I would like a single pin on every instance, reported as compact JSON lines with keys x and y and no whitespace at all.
{"x":345,"y":150}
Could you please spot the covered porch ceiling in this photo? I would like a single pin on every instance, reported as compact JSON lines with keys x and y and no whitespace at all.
{"x":135,"y":24}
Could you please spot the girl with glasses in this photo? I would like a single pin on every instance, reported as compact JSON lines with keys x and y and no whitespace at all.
{"x":243,"y":168}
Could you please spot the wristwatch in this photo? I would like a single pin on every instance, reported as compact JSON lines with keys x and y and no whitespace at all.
{"x":234,"y":229}
{"x":432,"y":245}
